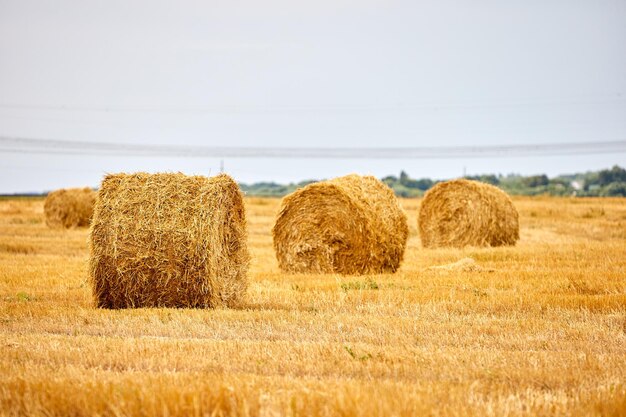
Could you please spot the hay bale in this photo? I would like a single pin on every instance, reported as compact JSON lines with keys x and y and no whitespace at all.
{"x":69,"y":207}
{"x":168,"y":240}
{"x":467,"y":213}
{"x":348,"y":225}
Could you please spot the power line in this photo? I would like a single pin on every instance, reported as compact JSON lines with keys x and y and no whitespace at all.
{"x":67,"y":147}
{"x":249,"y":108}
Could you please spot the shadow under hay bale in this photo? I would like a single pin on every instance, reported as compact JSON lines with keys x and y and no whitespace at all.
{"x":69,"y":207}
{"x":467,"y":213}
{"x":348,"y":225}
{"x":168,"y":240}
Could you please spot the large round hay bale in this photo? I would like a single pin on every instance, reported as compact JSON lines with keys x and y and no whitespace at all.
{"x":348,"y":225}
{"x":69,"y":207}
{"x":467,"y":213}
{"x":168,"y":240}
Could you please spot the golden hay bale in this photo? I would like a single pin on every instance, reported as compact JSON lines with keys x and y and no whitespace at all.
{"x":68,"y":208}
{"x":467,"y":213}
{"x":168,"y":240}
{"x":348,"y":225}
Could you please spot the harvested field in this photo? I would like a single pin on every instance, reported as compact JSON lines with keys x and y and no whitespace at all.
{"x":538,"y":329}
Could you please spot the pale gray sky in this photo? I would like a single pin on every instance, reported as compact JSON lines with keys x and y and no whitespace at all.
{"x":336,"y":73}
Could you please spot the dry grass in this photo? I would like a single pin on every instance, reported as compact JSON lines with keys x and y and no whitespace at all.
{"x":543,"y":334}
{"x":462,"y":213}
{"x":462,"y":265}
{"x":168,"y":240}
{"x":348,"y":225}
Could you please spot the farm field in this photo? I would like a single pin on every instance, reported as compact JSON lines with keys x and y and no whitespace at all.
{"x":537,"y":329}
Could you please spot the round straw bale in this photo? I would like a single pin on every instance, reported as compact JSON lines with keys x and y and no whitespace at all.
{"x":69,"y":208}
{"x":467,"y":213}
{"x":348,"y":225}
{"x":168,"y":240}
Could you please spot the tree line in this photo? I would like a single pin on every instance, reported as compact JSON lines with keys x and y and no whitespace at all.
{"x":604,"y":183}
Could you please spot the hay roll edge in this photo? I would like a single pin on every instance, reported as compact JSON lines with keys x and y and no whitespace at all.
{"x":69,"y":207}
{"x":168,"y":240}
{"x":349,"y":225}
{"x":462,"y":213}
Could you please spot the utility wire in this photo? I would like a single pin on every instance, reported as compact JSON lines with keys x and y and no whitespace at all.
{"x":243,"y":108}
{"x":67,"y":147}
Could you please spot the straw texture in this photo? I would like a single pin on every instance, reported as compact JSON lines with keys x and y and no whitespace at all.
{"x":69,"y":208}
{"x":462,"y":213}
{"x":462,"y":265}
{"x":348,"y":225}
{"x":168,"y":240}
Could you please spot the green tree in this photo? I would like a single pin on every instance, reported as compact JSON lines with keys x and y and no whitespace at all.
{"x":536,"y":181}
{"x":615,"y":189}
{"x":608,"y":176}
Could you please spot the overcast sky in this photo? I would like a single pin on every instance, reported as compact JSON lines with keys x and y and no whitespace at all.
{"x":336,"y":73}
